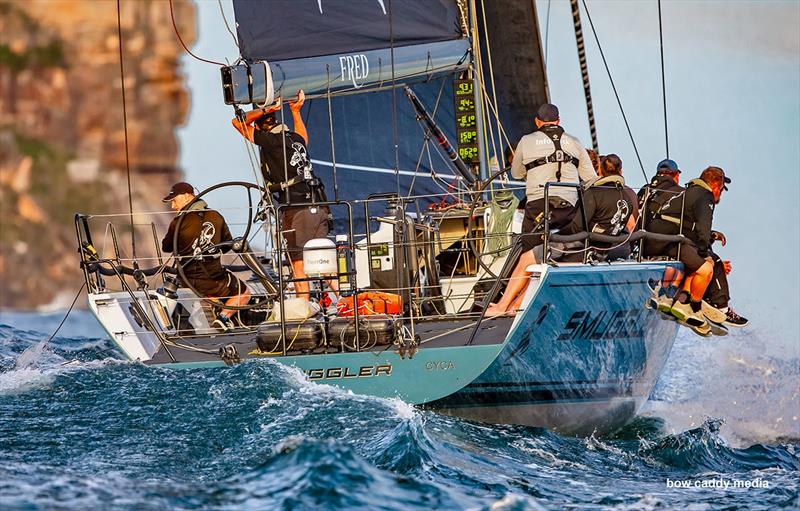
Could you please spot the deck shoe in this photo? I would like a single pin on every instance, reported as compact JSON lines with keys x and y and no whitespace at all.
{"x":223,"y":323}
{"x":664,"y":304}
{"x":702,"y":330}
{"x":712,"y":313}
{"x":684,"y":312}
{"x":733,"y":319}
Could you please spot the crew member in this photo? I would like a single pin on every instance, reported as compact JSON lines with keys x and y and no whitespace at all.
{"x":611,"y":208}
{"x":201,"y":230}
{"x":652,"y":196}
{"x":549,"y":155}
{"x":287,"y":170}
{"x":696,"y":203}
{"x":546,"y":155}
{"x":663,"y":186}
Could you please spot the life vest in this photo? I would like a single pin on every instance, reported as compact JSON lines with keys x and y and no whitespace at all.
{"x":371,"y":302}
{"x":559,"y":156}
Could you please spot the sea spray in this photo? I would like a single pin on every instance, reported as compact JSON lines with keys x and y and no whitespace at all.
{"x":104,"y":434}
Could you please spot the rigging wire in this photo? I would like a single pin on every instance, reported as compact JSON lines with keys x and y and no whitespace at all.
{"x":177,"y":33}
{"x":225,"y":20}
{"x":663,"y":80}
{"x":395,"y":134}
{"x":547,"y":32}
{"x":125,"y":127}
{"x":614,"y":87}
{"x":494,"y":87}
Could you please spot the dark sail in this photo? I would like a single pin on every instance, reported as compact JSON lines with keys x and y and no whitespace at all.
{"x":517,"y":62}
{"x":292,"y":29}
{"x":364,"y":143}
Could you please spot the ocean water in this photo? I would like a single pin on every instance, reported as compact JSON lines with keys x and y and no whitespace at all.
{"x":82,"y":429}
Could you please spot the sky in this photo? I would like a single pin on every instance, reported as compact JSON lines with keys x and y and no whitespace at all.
{"x":733,"y":100}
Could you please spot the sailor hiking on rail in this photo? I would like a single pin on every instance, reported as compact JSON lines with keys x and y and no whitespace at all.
{"x":663,"y":187}
{"x":691,"y":213}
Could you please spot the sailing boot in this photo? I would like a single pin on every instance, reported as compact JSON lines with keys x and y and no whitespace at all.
{"x":733,"y":319}
{"x":712,"y":313}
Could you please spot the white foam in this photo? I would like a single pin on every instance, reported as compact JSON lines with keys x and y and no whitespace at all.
{"x":730,"y":378}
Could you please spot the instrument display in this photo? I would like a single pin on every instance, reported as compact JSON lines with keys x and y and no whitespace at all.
{"x":466,"y":121}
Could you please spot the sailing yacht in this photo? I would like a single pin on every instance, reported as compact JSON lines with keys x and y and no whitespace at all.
{"x":407,"y":101}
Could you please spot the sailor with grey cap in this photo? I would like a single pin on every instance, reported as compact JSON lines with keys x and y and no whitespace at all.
{"x":549,"y":155}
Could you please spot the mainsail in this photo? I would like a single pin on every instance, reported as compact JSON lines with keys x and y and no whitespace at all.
{"x":335,"y":50}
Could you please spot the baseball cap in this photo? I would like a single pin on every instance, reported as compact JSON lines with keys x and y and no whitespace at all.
{"x":178,"y":189}
{"x":548,"y":112}
{"x":713,"y":173}
{"x":667,"y":166}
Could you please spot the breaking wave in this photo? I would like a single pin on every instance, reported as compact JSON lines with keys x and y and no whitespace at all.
{"x":80,"y":428}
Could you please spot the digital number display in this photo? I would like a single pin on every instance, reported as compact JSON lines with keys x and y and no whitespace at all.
{"x":465,"y":120}
{"x":468,"y":153}
{"x":467,"y":137}
{"x":465,"y":105}
{"x":463,"y":88}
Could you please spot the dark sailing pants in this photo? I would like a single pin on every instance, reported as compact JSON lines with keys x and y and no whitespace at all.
{"x":561,"y":213}
{"x":717,"y":293}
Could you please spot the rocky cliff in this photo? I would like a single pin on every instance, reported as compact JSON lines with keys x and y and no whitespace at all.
{"x":62,"y":139}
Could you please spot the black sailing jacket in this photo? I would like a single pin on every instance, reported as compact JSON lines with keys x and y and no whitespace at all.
{"x":698,"y":208}
{"x":200,"y":229}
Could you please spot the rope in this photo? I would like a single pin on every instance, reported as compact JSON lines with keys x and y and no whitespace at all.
{"x":494,"y":89}
{"x":72,"y":305}
{"x":663,"y":79}
{"x":614,"y":87}
{"x":177,"y":33}
{"x":125,"y":126}
{"x":587,"y":91}
{"x":225,"y":20}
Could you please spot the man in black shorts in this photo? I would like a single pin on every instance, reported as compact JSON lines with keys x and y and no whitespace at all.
{"x":201,"y":229}
{"x":287,"y":170}
{"x":696,"y":203}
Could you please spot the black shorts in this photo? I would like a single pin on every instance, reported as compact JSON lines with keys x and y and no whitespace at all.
{"x":692,"y":261}
{"x":561,"y":213}
{"x":300,"y":225}
{"x":225,"y":286}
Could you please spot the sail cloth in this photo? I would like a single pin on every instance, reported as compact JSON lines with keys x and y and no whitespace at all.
{"x":293,"y":29}
{"x":517,"y":60}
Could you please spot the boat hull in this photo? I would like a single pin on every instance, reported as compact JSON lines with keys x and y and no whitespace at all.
{"x":582,"y":357}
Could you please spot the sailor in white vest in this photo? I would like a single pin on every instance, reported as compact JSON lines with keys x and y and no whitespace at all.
{"x":549,"y":155}
{"x":544,"y":156}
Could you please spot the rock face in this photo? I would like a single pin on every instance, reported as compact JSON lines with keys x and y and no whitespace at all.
{"x":62,"y":137}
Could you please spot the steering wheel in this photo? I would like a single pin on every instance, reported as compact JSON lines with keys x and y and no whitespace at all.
{"x":239,"y":244}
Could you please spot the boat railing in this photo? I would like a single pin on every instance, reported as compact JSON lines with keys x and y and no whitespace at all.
{"x":415,"y":245}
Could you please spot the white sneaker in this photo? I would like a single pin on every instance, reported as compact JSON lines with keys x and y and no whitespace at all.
{"x":694,"y":320}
